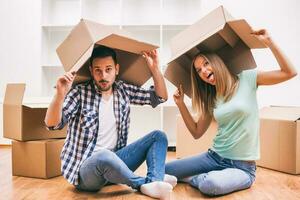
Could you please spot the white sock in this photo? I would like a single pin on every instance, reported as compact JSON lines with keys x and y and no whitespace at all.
{"x":157,"y":189}
{"x":170,"y":179}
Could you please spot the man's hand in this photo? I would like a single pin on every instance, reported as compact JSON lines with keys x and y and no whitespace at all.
{"x":64,"y":83}
{"x":152,"y":60}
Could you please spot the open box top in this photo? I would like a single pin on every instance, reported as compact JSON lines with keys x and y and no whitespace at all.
{"x":25,"y":121}
{"x":284,"y":113}
{"x":217,"y":32}
{"x":76,"y":49}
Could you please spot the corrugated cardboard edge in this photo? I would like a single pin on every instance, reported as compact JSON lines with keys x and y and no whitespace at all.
{"x":69,"y":47}
{"x":298,"y":148}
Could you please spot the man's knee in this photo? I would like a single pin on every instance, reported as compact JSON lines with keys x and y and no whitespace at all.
{"x":160,"y":136}
{"x":106,"y":158}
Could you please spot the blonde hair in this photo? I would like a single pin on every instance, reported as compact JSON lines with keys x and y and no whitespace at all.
{"x":204,"y":95}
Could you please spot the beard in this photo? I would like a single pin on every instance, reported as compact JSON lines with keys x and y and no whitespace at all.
{"x":103,"y":86}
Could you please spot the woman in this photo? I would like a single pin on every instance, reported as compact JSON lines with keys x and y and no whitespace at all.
{"x":231,"y":100}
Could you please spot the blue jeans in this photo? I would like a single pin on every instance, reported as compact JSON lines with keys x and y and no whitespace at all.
{"x":212,"y":174}
{"x":105,"y":166}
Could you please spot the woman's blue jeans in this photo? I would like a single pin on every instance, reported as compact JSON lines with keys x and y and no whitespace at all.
{"x":212,"y":174}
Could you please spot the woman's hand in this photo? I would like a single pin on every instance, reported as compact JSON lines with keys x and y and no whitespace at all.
{"x":179,"y":96}
{"x":286,"y":71}
{"x":263,"y":36}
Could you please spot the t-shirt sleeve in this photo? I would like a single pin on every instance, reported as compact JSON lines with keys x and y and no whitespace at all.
{"x":250,"y":77}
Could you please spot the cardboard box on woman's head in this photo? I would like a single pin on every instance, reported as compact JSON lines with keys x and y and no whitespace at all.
{"x":75,"y":51}
{"x":217,"y":32}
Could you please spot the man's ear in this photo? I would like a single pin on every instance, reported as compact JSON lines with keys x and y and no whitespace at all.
{"x":90,"y":69}
{"x":117,"y":69}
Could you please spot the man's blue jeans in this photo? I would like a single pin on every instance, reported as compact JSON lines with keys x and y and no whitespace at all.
{"x":106,"y":166}
{"x":213,"y":174}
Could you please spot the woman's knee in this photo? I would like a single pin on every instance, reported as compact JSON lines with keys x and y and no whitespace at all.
{"x":208,"y":185}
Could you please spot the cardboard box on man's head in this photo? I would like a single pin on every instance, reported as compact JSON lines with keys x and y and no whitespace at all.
{"x":25,"y":121}
{"x":280,"y":138}
{"x":76,"y":49}
{"x":216,"y":32}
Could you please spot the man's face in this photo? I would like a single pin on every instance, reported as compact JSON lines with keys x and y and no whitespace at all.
{"x":104,"y":71}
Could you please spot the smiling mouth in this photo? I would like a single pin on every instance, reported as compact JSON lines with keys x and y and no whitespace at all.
{"x":209,"y":75}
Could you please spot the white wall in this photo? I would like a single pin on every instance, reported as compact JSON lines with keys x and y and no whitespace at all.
{"x":20,"y":47}
{"x":281,"y":19}
{"x":20,"y":44}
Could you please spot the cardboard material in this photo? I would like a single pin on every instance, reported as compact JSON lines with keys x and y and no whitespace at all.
{"x":37,"y":159}
{"x":280,"y":139}
{"x":76,"y":49}
{"x":186,"y":145}
{"x":216,"y":32}
{"x":25,"y":122}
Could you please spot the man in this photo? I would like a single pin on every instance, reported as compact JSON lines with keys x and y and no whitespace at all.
{"x":97,"y":113}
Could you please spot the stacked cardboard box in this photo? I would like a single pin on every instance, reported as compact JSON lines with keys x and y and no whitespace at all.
{"x":35,"y":151}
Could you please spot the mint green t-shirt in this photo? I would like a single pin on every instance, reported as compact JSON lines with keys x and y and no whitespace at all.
{"x":237,"y":137}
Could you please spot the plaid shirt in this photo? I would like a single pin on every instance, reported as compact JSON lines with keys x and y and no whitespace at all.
{"x":80,"y":111}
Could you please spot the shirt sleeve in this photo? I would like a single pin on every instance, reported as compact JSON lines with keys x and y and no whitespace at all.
{"x":250,"y":76}
{"x":70,"y":108}
{"x":141,"y":96}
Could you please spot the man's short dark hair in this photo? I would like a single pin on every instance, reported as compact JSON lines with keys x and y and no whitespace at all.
{"x":102,"y":52}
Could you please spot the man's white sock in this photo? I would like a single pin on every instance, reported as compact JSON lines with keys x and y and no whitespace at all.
{"x":187,"y":179}
{"x":170,"y":179}
{"x":157,"y":189}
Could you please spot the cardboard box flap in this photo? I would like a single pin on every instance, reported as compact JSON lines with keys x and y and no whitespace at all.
{"x":14,"y":94}
{"x":72,"y":48}
{"x":280,"y":113}
{"x":12,"y":109}
{"x":98,"y":31}
{"x":182,"y":67}
{"x":82,"y":67}
{"x":210,"y":24}
{"x":243,"y":30}
{"x":77,"y":48}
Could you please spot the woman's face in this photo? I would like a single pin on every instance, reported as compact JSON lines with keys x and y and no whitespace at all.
{"x":204,"y":70}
